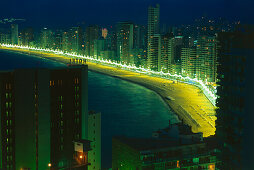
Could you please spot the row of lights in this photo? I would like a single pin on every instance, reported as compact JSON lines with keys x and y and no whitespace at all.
{"x":211,"y":95}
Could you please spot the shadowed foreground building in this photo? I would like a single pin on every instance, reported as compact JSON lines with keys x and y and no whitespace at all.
{"x":175,"y":147}
{"x":43,"y":112}
{"x":234,"y":124}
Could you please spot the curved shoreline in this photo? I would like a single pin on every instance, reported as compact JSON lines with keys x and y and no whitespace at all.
{"x":189,"y":105}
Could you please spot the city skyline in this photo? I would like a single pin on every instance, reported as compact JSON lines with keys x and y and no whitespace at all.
{"x":201,"y":69}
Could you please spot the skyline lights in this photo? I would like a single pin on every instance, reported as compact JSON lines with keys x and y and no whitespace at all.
{"x":210,"y":94}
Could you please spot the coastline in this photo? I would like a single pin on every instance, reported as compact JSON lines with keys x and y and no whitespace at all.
{"x":187,"y":102}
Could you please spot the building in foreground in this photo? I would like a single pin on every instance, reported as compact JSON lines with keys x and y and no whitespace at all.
{"x":43,"y":112}
{"x":172,"y":148}
{"x":234,"y":124}
{"x":94,"y":135}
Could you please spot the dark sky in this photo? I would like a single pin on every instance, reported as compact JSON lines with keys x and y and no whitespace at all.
{"x":60,"y":13}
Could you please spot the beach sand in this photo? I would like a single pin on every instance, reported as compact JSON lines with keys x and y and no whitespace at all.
{"x":187,"y":101}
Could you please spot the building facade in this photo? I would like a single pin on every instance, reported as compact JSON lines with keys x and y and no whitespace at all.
{"x":42,"y":112}
{"x":234,"y":124}
{"x":154,"y":39}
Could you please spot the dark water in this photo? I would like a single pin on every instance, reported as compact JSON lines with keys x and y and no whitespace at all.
{"x":126,"y":108}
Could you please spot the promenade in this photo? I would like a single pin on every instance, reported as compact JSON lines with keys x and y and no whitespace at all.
{"x":187,"y":101}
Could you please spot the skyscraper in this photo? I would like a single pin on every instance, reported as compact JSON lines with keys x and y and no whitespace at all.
{"x":92,"y":34}
{"x":125,"y":42}
{"x":46,"y":38}
{"x":234,"y":124}
{"x":75,"y":39}
{"x":42,"y":113}
{"x":27,"y":37}
{"x":154,"y":39}
{"x":188,"y":62}
{"x":206,"y":59}
{"x":14,"y":34}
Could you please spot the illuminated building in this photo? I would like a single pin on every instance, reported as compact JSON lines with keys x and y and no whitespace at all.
{"x":234,"y":124}
{"x":125,"y":42}
{"x":14,"y":34}
{"x":75,"y":40}
{"x":166,"y":52}
{"x":5,"y":38}
{"x":108,"y":55}
{"x":94,"y":135}
{"x":99,"y":45}
{"x":42,"y":113}
{"x":57,"y":44}
{"x":206,"y":59}
{"x":92,"y":34}
{"x":27,"y":37}
{"x":175,"y":147}
{"x":140,"y":37}
{"x":46,"y":38}
{"x":65,"y":41}
{"x":154,"y":39}
{"x":188,"y":62}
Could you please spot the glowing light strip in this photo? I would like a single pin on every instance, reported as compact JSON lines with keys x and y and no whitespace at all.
{"x":211,"y":95}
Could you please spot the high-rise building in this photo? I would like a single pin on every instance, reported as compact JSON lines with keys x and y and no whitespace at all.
{"x":75,"y":39}
{"x":46,"y":38}
{"x":92,"y":34}
{"x":166,"y":52}
{"x":42,"y":113}
{"x":14,"y":34}
{"x":140,"y":37}
{"x":94,"y":135}
{"x":26,"y":37}
{"x":65,"y":41}
{"x":154,"y":39}
{"x":188,"y":62}
{"x":206,"y":59}
{"x":99,"y":46}
{"x":234,"y":124}
{"x":125,"y":42}
{"x":5,"y":38}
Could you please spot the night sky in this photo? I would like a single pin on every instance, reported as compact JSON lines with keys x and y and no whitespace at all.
{"x":62,"y":13}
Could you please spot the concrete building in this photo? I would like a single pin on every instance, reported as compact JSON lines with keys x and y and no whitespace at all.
{"x":206,"y":59}
{"x":46,"y":38}
{"x":94,"y":135}
{"x":99,"y":46}
{"x":234,"y":124}
{"x":175,"y":147}
{"x":26,"y":37}
{"x":125,"y":42}
{"x":154,"y":39}
{"x":167,"y":53}
{"x":14,"y":34}
{"x":188,"y":62}
{"x":75,"y":38}
{"x":92,"y":34}
{"x":42,"y":113}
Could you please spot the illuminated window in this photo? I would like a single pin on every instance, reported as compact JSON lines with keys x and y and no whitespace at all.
{"x":211,"y":167}
{"x":177,"y":164}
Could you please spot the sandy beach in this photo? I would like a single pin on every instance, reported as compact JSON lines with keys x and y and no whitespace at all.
{"x":187,"y":101}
